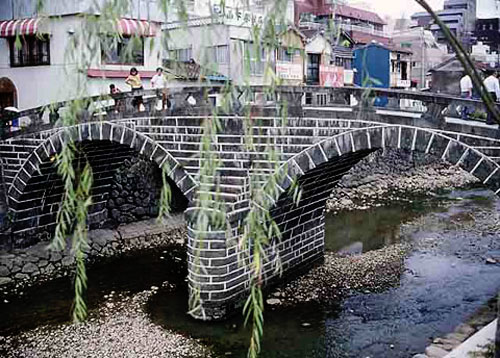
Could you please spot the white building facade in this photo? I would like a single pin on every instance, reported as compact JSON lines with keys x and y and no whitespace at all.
{"x":37,"y":59}
{"x":226,"y":40}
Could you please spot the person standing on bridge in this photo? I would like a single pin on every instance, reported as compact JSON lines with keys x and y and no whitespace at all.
{"x":493,"y":87}
{"x":159,"y":83}
{"x":466,"y":93}
{"x":134,"y":81}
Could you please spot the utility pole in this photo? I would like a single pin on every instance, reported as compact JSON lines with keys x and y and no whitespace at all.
{"x":424,"y":58}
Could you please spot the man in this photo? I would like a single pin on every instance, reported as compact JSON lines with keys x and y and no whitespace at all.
{"x":493,"y":87}
{"x":159,"y":83}
{"x":466,"y":93}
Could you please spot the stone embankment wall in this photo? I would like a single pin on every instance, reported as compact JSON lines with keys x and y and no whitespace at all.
{"x":134,"y":193}
{"x":21,"y":268}
{"x":394,"y":175}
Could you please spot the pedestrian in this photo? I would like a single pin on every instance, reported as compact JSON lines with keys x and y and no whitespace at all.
{"x":466,"y":93}
{"x":493,"y":87}
{"x":134,"y":81}
{"x":159,"y":82}
{"x":112,"y":91}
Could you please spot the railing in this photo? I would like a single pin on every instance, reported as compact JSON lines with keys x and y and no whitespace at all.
{"x":344,"y":26}
{"x":203,"y":100}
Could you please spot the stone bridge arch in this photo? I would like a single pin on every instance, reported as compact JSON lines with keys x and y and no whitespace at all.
{"x":319,"y":168}
{"x":122,"y":135}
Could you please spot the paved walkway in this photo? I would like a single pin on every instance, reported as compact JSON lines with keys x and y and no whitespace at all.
{"x":475,"y":343}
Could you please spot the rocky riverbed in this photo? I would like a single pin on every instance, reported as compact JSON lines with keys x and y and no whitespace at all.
{"x":118,"y":328}
{"x":394,"y":175}
{"x":340,"y":276}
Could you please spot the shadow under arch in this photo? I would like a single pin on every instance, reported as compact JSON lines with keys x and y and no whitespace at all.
{"x":106,"y":145}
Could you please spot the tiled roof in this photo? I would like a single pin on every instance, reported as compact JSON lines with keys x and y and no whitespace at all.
{"x":365,"y":38}
{"x":351,"y":12}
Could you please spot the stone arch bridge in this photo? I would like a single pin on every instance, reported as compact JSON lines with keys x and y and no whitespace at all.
{"x":325,"y":135}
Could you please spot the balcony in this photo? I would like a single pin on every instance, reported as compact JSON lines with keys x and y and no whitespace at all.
{"x":344,"y":26}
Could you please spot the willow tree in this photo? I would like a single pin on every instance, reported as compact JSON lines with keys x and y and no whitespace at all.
{"x":259,"y":231}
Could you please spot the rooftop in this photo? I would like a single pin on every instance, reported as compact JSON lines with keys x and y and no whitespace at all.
{"x":350,"y":12}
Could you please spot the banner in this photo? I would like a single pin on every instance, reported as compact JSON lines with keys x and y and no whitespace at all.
{"x":331,"y":76}
{"x":289,"y":71}
{"x":237,"y":17}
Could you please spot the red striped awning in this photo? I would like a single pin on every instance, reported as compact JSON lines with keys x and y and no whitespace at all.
{"x":19,"y":27}
{"x":129,"y":27}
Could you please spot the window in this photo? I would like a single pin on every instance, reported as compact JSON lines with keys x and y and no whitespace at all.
{"x":183,"y":54}
{"x":285,"y":54}
{"x":32,"y":51}
{"x":342,"y":62}
{"x":218,"y":54}
{"x":128,"y":50}
{"x":257,"y":57}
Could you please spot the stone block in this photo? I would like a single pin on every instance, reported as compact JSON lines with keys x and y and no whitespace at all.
{"x":30,"y":268}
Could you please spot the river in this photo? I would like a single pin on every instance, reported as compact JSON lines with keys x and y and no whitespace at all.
{"x":445,"y":281}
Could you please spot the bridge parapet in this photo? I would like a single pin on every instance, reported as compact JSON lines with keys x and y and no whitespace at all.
{"x":432,"y":107}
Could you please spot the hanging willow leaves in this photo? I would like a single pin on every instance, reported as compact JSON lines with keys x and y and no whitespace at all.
{"x":259,"y":241}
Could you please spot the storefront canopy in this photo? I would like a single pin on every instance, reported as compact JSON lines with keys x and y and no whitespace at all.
{"x":129,"y":27}
{"x":19,"y":27}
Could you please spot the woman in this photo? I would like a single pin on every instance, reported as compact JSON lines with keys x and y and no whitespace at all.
{"x":134,"y":81}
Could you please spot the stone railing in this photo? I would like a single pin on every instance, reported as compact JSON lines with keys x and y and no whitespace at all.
{"x":432,"y":106}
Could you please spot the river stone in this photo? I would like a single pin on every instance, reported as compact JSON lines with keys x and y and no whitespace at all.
{"x":49,"y":269}
{"x":40,"y":251}
{"x":465,"y":329}
{"x":420,"y":356}
{"x":43,"y":263}
{"x":21,"y":276}
{"x":435,"y":352}
{"x":5,"y":280}
{"x":55,"y":257}
{"x":68,"y":261}
{"x":30,"y":268}
{"x":273,"y":301}
{"x":4,"y":271}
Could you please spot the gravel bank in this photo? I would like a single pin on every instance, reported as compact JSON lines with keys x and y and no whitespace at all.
{"x":119,"y":328}
{"x":339,"y":276}
{"x":394,"y":175}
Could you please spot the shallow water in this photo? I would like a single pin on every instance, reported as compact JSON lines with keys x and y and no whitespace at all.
{"x":438,"y":290}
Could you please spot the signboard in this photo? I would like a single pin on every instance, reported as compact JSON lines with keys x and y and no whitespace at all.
{"x":348,"y":77}
{"x":237,"y":17}
{"x":289,"y":71}
{"x":404,"y":83}
{"x":331,"y":76}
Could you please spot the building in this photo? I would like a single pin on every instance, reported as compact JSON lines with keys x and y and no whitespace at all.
{"x":40,"y":71}
{"x":318,"y":60}
{"x":483,"y":54}
{"x":423,"y":19}
{"x":460,"y":17}
{"x":362,"y":24}
{"x":446,"y":76}
{"x":426,"y":52}
{"x":379,"y":66}
{"x":401,"y":60}
{"x":488,"y":32}
{"x":221,"y":39}
{"x":487,"y":9}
